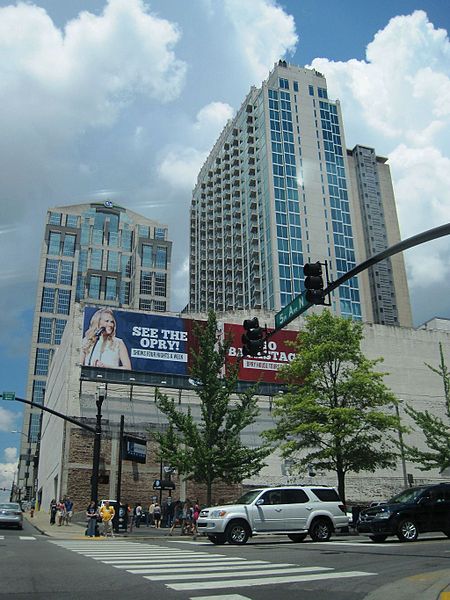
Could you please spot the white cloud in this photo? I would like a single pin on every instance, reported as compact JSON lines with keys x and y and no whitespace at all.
{"x":265,"y":33}
{"x":7,"y":472}
{"x":213,"y":115}
{"x":7,"y":419}
{"x":10,"y":454}
{"x":179,"y":168}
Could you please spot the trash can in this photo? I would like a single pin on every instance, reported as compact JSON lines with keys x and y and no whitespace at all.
{"x":122,"y":520}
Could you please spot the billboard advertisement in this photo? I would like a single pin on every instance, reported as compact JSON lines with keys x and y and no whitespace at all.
{"x":151,"y":343}
{"x":263,"y":369}
{"x":134,"y":449}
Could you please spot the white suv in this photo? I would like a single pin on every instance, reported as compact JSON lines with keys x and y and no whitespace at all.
{"x":293,"y":510}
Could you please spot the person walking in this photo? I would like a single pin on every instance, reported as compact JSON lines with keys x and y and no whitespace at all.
{"x":53,"y":510}
{"x":150,"y":515}
{"x":195,"y":516}
{"x":157,"y":515}
{"x":138,"y":514}
{"x":69,"y":510}
{"x":177,"y":515}
{"x":91,"y":516}
{"x":107,"y":513}
{"x":60,"y":513}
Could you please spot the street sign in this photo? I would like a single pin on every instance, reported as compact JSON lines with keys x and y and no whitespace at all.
{"x":8,"y":395}
{"x":291,"y":311}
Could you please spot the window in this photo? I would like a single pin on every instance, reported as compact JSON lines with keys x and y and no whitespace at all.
{"x":159,"y":305}
{"x":38,"y":392}
{"x":147,"y":255}
{"x":69,"y":245}
{"x":146,"y":282}
{"x":113,"y":261}
{"x":126,"y":240}
{"x":327,"y":495}
{"x":145,"y":304}
{"x":54,"y":242}
{"x":45,"y":330}
{"x":160,"y":233}
{"x":124,"y":297}
{"x":48,"y":300}
{"x":311,"y":90}
{"x":96,"y":259}
{"x":63,"y":304}
{"x":294,"y":496}
{"x":272,"y":497}
{"x":126,"y":266}
{"x":59,"y":330}
{"x":111,"y":288}
{"x":161,"y":257}
{"x":295,"y":86}
{"x":55,"y":218}
{"x":94,"y":286}
{"x":65,"y":275}
{"x":42,"y":362}
{"x":284,"y":84}
{"x":144,"y":231}
{"x":51,"y":271}
{"x":72,"y":221}
{"x":33,"y":431}
{"x":160,"y":284}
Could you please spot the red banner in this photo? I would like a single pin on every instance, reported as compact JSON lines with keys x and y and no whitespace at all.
{"x":261,"y":369}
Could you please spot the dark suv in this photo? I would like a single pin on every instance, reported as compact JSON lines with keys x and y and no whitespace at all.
{"x":413,"y":511}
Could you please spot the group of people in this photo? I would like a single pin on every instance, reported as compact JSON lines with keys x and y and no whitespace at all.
{"x":185,"y":516}
{"x":104,"y":515}
{"x":169,"y":515}
{"x":61,"y":512}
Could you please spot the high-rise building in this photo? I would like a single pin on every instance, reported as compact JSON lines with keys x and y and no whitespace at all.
{"x":279,"y":190}
{"x":100,"y":253}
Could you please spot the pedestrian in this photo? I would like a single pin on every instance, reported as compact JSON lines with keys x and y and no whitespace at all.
{"x":53,"y":511}
{"x":150,"y":515}
{"x":195,"y":516}
{"x":69,"y":510}
{"x":170,"y":511}
{"x":157,"y":515}
{"x":107,"y":513}
{"x":91,"y":516}
{"x":177,"y":515}
{"x":186,"y":518}
{"x":138,"y":514}
{"x":60,"y":513}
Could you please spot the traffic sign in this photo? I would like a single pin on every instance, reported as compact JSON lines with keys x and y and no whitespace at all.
{"x":291,"y":311}
{"x":8,"y":395}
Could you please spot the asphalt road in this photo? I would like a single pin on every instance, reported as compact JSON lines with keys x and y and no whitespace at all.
{"x":37,"y":567}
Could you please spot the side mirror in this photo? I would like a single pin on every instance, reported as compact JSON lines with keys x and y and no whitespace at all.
{"x":259,"y":502}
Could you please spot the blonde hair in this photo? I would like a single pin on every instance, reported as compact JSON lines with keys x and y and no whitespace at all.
{"x":94,"y":325}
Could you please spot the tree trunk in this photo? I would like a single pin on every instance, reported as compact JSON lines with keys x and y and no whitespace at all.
{"x":341,"y":483}
{"x":209,"y":492}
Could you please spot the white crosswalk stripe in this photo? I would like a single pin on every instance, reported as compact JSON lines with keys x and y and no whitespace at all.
{"x":189,"y":569}
{"x":26,"y":537}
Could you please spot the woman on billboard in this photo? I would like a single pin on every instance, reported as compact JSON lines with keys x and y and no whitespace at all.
{"x":100,"y":346}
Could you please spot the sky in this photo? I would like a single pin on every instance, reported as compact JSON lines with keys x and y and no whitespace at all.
{"x":123,"y":99}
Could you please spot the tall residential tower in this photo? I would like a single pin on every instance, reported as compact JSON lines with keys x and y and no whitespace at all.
{"x":100,"y":253}
{"x":279,"y":190}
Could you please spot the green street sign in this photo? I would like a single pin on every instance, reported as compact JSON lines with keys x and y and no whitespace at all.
{"x":9,"y":395}
{"x":291,"y":311}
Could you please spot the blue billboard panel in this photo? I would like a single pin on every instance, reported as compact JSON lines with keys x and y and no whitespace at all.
{"x":150,"y":343}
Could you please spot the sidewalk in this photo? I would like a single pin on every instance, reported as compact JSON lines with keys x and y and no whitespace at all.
{"x":76,"y":530}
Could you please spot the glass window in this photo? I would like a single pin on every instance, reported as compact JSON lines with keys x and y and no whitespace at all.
{"x":94,"y":286}
{"x":326,"y":495}
{"x":51,"y":271}
{"x":284,"y":84}
{"x":72,"y":221}
{"x":126,"y":266}
{"x":113,"y":238}
{"x":160,"y":284}
{"x":271,"y":497}
{"x":45,"y":330}
{"x":145,"y":304}
{"x":38,"y":392}
{"x":54,"y":242}
{"x":113,"y":261}
{"x":34,"y":428}
{"x":85,"y":233}
{"x":294,"y":496}
{"x":159,"y":305}
{"x":80,"y":288}
{"x":126,"y":240}
{"x":65,"y":275}
{"x":160,"y":233}
{"x":311,"y":90}
{"x":295,"y":86}
{"x":63,"y":304}
{"x":147,"y":255}
{"x":161,"y":257}
{"x":69,"y":245}
{"x":48,"y":300}
{"x":55,"y":218}
{"x":111,"y":288}
{"x":124,"y":297}
{"x":96,"y":259}
{"x":42,"y":361}
{"x":146,"y":282}
{"x":59,"y":330}
{"x":144,"y":231}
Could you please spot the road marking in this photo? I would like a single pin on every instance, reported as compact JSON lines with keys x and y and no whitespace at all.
{"x":211,"y":567}
{"x":181,"y":562}
{"x":365,"y":543}
{"x":26,"y":537}
{"x":224,"y":597}
{"x":216,"y":585}
{"x":251,"y":573}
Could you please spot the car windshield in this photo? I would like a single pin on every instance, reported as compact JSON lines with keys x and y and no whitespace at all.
{"x":248,"y":497}
{"x":10,"y":505}
{"x":406,"y":496}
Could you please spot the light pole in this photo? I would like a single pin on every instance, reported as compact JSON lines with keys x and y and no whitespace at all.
{"x":100,"y":396}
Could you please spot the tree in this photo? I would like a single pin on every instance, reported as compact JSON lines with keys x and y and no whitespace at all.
{"x":210,"y":449}
{"x":433,"y":427}
{"x":334,"y":415}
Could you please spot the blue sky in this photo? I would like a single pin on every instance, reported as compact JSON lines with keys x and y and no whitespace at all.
{"x":124,"y":99}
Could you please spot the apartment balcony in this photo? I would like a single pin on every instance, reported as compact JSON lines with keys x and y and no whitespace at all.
{"x":250,"y":129}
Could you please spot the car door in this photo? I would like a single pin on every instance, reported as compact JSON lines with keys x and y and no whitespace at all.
{"x":269,"y":512}
{"x":297,"y":508}
{"x":440,"y":510}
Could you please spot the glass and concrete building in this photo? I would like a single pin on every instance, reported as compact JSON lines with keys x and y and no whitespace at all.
{"x":278,"y":190}
{"x":100,"y":253}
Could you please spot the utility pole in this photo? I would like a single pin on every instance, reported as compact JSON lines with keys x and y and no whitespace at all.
{"x":101,"y":395}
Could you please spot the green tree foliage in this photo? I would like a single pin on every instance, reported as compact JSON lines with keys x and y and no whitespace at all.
{"x":336,"y":413}
{"x":435,"y":429}
{"x":209,"y":449}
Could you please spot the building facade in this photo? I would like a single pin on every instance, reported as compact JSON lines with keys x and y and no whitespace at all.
{"x":279,"y":190}
{"x":99,"y":252}
{"x":67,"y":451}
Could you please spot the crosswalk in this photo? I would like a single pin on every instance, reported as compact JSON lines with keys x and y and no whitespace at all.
{"x":21,"y":537}
{"x":183,"y":569}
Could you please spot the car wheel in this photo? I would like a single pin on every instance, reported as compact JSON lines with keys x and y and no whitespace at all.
{"x":407,"y":531}
{"x":320,"y":530}
{"x":237,"y":533}
{"x":297,"y":537}
{"x":217,"y":538}
{"x":378,"y":538}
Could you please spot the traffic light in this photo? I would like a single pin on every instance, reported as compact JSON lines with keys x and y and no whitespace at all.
{"x":314,"y":283}
{"x":253,"y":338}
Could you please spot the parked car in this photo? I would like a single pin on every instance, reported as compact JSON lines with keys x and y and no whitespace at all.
{"x":11,"y":514}
{"x":415,"y":510}
{"x":296,"y":511}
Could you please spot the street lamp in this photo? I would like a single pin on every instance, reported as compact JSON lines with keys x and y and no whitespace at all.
{"x":99,"y":398}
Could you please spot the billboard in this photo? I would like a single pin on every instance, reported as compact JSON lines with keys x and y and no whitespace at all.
{"x":151,"y":343}
{"x":261,"y":369}
{"x":134,"y":449}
